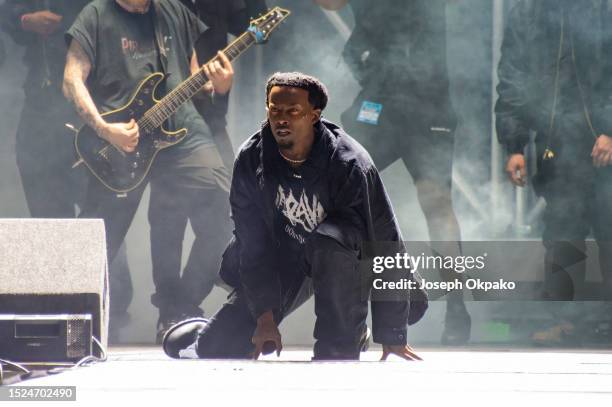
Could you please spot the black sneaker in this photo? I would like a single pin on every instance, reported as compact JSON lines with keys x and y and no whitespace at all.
{"x":182,"y":335}
{"x":457,"y":326}
{"x":163,"y":325}
{"x":170,"y":316}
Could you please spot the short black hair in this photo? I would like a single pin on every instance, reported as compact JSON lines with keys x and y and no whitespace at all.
{"x":317,"y":92}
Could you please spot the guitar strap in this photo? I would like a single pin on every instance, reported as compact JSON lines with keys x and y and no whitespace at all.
{"x":161,"y":27}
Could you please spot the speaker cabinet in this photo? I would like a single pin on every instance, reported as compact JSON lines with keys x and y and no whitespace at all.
{"x":50,"y":268}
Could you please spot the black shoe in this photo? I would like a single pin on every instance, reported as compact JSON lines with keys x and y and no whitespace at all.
{"x":364,"y":343}
{"x":162,"y":327}
{"x":170,"y":316}
{"x":181,"y":335}
{"x":457,"y":326}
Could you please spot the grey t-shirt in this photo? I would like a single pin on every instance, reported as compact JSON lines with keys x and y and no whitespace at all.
{"x":121,"y":47}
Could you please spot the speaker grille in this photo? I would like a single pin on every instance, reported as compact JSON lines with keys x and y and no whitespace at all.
{"x":78,"y":337}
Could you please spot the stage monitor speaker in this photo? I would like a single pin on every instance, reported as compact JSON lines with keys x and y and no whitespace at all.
{"x":54,"y":267}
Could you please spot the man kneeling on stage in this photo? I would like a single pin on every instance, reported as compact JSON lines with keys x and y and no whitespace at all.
{"x":305,"y":196}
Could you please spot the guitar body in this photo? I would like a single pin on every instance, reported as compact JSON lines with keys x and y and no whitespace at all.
{"x":117,"y":170}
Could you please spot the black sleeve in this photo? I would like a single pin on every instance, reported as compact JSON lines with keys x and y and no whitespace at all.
{"x":513,"y":88}
{"x":347,"y":213}
{"x":602,"y":100}
{"x":84,"y":30}
{"x":192,"y":26}
{"x":10,"y":21}
{"x":362,"y":204}
{"x":258,"y":276}
{"x":389,"y":314}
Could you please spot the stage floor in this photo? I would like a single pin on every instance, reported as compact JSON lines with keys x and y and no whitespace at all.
{"x":445,"y":377}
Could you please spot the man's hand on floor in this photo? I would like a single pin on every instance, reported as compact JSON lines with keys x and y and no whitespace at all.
{"x":403,"y":351}
{"x":267,"y":337}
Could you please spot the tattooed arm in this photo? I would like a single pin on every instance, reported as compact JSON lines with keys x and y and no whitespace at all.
{"x":76,"y":73}
{"x":78,"y":66}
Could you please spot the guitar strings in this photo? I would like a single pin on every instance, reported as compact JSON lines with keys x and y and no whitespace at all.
{"x":159,"y":113}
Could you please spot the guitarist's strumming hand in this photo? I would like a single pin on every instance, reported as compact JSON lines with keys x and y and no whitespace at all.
{"x":220,"y":74}
{"x":124,"y":136}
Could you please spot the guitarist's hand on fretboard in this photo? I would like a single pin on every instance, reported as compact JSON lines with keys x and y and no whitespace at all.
{"x":124,"y":136}
{"x":220,"y":74}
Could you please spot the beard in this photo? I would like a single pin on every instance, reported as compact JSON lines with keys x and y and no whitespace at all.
{"x":284,"y":144}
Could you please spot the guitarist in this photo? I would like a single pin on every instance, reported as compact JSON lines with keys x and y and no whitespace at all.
{"x":113,"y":46}
{"x":222,"y":17}
{"x":51,"y":187}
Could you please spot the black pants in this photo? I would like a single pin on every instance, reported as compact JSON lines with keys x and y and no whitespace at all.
{"x":579,"y":201}
{"x":207,"y":210}
{"x":178,"y":191}
{"x":45,"y":155}
{"x":329,"y":270}
{"x":52,"y":188}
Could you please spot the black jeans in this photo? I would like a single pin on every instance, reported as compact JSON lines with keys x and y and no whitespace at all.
{"x":45,"y":155}
{"x":207,"y":210}
{"x":579,"y":201}
{"x":329,"y":270}
{"x":177,"y":193}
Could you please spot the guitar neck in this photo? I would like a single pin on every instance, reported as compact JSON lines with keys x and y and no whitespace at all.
{"x":170,"y":103}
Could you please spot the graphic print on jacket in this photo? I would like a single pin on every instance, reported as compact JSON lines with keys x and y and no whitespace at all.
{"x":299,"y":212}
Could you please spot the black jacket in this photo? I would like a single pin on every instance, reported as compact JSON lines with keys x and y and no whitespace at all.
{"x":44,"y":59}
{"x":357,"y":197}
{"x":530,"y":62}
{"x":222,"y":17}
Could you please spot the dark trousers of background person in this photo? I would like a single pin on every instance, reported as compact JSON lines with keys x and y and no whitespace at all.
{"x":578,"y":201}
{"x":327,"y":269}
{"x":52,"y":188}
{"x":208,"y":177}
{"x":202,"y":200}
{"x":423,"y":137}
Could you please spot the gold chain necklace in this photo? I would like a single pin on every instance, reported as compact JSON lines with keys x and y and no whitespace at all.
{"x":292,"y":161}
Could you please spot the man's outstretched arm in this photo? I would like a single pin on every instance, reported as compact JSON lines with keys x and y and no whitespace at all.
{"x":258,"y":275}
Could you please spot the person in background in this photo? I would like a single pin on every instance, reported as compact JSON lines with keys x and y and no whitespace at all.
{"x":404,"y":111}
{"x":45,"y":151}
{"x":554,"y":79}
{"x":113,"y":47}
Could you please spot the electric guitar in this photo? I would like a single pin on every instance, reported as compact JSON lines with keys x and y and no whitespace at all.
{"x":120,"y":171}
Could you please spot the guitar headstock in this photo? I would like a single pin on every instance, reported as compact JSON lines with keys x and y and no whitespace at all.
{"x":260,"y":28}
